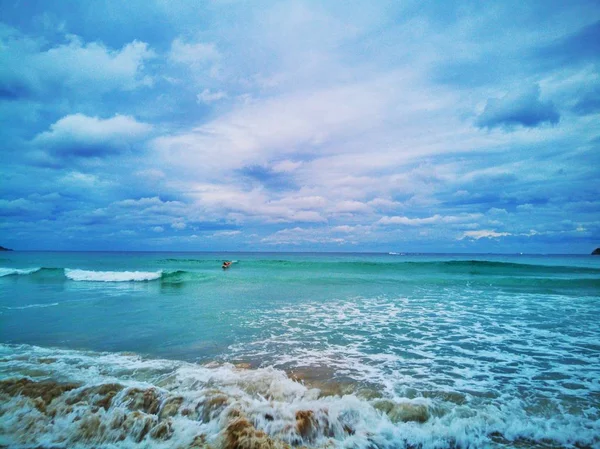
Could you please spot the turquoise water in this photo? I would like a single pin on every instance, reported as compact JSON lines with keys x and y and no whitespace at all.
{"x":404,"y":350}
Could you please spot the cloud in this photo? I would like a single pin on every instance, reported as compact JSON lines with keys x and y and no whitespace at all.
{"x":589,"y":102}
{"x":267,"y":177}
{"x":80,"y":64}
{"x":346,"y":229}
{"x":179,"y":224}
{"x":339,"y":123}
{"x":435,"y":219}
{"x":577,"y":89}
{"x":226,"y":234}
{"x":298,"y":236}
{"x":247,"y":135}
{"x":580,"y":46}
{"x":483,"y":233}
{"x":82,"y":136}
{"x":30,"y":67}
{"x":148,"y":215}
{"x":286,"y":166}
{"x":207,"y":96}
{"x":522,"y":107}
{"x":151,"y":174}
{"x":16,"y":207}
{"x":79,"y":180}
{"x":193,"y":54}
{"x":350,"y":207}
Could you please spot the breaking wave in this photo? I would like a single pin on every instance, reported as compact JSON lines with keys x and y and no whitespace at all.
{"x":17,"y":271}
{"x":65,"y":398}
{"x":79,"y":275}
{"x":112,"y":276}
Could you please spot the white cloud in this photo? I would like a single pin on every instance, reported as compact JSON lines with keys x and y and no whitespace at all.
{"x":151,"y":174}
{"x":347,"y":229}
{"x":483,"y":233}
{"x":254,"y":204}
{"x":343,"y":228}
{"x":343,"y":137}
{"x":525,"y":207}
{"x":193,"y":54}
{"x":286,"y":166}
{"x":255,"y":133}
{"x":140,"y":203}
{"x":497,"y":211}
{"x":351,"y":207}
{"x":152,"y":205}
{"x":79,"y":179}
{"x":82,"y":63}
{"x":302,"y":202}
{"x":409,"y":221}
{"x":79,"y":66}
{"x":384,"y":204}
{"x":207,"y":96}
{"x":401,"y":220}
{"x":298,"y":236}
{"x":17,"y":207}
{"x":80,"y":135}
{"x":179,"y":225}
{"x":220,"y":234}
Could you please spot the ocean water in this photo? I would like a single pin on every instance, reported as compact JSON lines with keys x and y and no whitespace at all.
{"x":362,"y":351}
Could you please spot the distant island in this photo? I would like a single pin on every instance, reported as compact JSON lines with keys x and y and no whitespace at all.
{"x":2,"y":248}
{"x":596,"y":252}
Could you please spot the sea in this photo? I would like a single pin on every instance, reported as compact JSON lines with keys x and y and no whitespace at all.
{"x":311,"y":350}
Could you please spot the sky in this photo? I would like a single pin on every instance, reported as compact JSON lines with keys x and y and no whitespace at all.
{"x":414,"y":126}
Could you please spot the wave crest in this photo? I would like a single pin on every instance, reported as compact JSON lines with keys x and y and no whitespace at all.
{"x":16,"y":271}
{"x":111,"y":276}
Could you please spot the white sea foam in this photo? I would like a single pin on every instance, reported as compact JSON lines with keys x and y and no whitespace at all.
{"x":210,"y":399}
{"x":12,"y":271}
{"x":489,"y":377}
{"x":111,"y":276}
{"x":32,"y":306}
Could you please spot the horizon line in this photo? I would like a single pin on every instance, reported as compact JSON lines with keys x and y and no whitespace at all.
{"x":390,"y":253}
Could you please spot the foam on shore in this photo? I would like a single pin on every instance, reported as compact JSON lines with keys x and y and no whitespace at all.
{"x":66,"y":398}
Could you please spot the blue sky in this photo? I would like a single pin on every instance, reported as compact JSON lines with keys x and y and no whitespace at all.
{"x":338,"y":126}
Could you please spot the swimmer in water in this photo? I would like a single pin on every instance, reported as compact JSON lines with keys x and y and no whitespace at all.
{"x":226,"y":264}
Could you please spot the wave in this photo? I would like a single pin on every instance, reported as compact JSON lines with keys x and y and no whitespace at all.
{"x":471,"y":267}
{"x":31,"y":306}
{"x":109,"y":400}
{"x":401,"y":265}
{"x":516,"y":266}
{"x":46,"y":274}
{"x":111,"y":276}
{"x":474,"y":272}
{"x":17,"y":271}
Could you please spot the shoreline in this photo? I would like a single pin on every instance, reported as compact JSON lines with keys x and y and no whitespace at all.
{"x":109,"y":398}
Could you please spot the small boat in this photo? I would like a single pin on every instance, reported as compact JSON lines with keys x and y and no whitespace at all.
{"x":226,"y":264}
